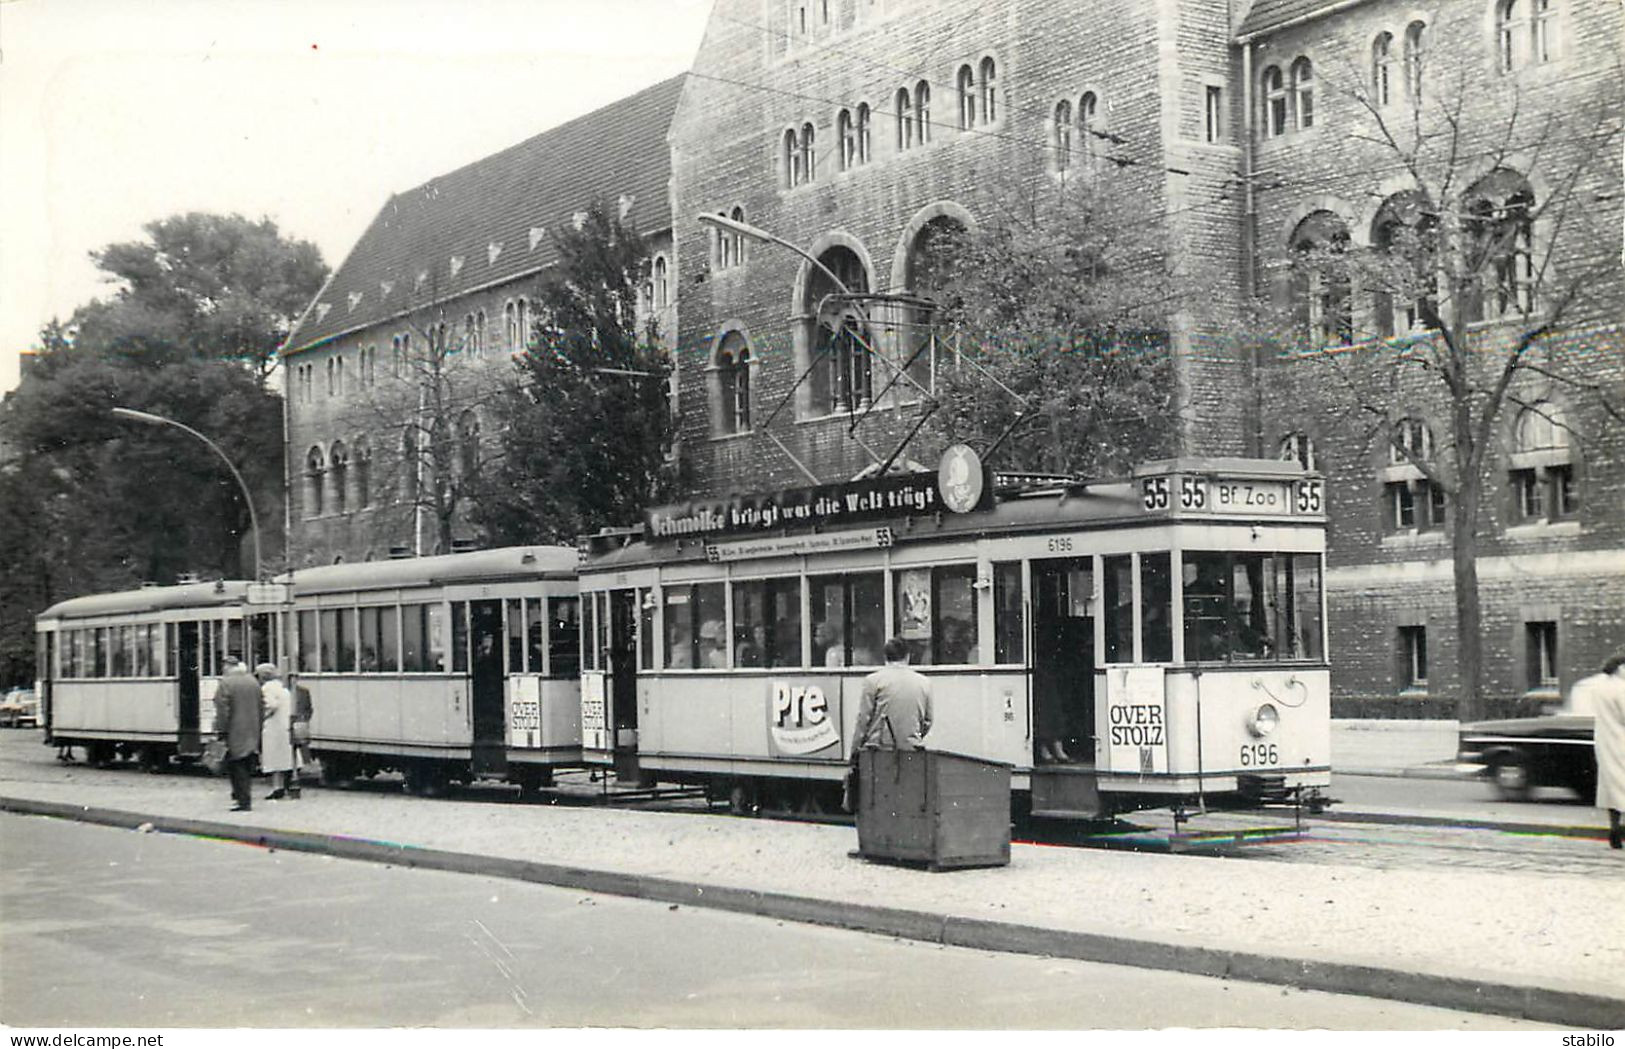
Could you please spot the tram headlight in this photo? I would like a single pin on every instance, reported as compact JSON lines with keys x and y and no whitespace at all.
{"x":1262,"y":721}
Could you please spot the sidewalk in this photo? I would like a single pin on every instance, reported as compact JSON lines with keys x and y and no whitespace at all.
{"x":1544,"y":947}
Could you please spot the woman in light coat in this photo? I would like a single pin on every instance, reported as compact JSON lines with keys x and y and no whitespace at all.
{"x":1608,"y":701}
{"x":276,"y":753}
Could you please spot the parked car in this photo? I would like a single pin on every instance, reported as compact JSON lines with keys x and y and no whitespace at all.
{"x":19,"y":707}
{"x":1520,"y":754}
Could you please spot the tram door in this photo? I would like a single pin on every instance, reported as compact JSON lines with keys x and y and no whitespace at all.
{"x":489,"y":755}
{"x":623,"y":673}
{"x":1063,"y":662}
{"x":187,"y":668}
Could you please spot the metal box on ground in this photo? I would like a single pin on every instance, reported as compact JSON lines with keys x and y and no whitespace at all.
{"x":925,"y":806}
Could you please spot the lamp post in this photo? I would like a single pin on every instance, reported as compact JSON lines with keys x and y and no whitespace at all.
{"x":253,"y":518}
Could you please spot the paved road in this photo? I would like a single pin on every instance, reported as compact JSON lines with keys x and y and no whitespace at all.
{"x":1468,"y":798}
{"x":113,"y":927}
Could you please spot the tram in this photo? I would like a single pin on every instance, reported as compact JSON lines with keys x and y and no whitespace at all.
{"x":134,"y":674}
{"x":450,"y":668}
{"x":1147,"y":642}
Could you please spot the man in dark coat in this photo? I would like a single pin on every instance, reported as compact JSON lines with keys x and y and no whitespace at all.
{"x":238,"y":712}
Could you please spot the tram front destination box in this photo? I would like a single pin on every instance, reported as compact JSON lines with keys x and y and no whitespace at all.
{"x":940,"y":809}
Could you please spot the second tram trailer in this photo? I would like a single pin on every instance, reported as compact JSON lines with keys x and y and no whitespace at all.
{"x":449,"y":668}
{"x":1148,"y":642}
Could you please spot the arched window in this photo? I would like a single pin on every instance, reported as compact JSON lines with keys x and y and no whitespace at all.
{"x":738,"y":215}
{"x":1321,"y":279}
{"x":846,"y":134}
{"x":841,"y":376}
{"x":315,"y":478}
{"x":861,"y":133}
{"x":1500,"y":245}
{"x":1299,"y":448}
{"x":660,"y":284}
{"x":922,"y":111}
{"x":1063,"y":135}
{"x":363,"y":475}
{"x":1303,"y":93}
{"x":966,"y":83}
{"x":931,"y":260}
{"x":469,"y":345}
{"x":1511,"y":29}
{"x":410,"y":466}
{"x":809,"y":154}
{"x":468,"y":444}
{"x":1381,"y":66}
{"x":1275,"y":107}
{"x":905,"y":120}
{"x":1541,"y":474}
{"x":792,"y":160}
{"x":510,"y":324}
{"x":340,"y":469}
{"x":989,"y":90}
{"x":1543,"y":30}
{"x":733,"y":384}
{"x":1415,"y":50}
{"x":479,"y":333}
{"x":1404,"y":282}
{"x":1088,"y":127}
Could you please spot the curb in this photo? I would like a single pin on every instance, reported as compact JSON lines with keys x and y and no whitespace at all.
{"x":1403,"y":819}
{"x":1404,"y":772}
{"x":1568,"y":1008}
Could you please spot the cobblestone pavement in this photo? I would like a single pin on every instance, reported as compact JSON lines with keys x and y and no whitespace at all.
{"x":1272,"y":835}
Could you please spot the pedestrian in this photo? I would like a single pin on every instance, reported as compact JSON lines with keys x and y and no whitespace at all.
{"x":1608,"y":705}
{"x":299,"y":729}
{"x":238,"y":714}
{"x":276,"y":757}
{"x":895,"y":712}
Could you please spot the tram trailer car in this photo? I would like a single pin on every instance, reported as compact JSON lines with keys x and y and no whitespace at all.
{"x":134,"y":674}
{"x":450,"y":668}
{"x":1153,"y":642}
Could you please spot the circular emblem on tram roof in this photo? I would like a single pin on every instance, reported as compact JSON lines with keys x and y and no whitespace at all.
{"x":959,"y":478}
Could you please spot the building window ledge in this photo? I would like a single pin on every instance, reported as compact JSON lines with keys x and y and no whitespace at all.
{"x":1414,"y":538}
{"x":1543,"y":530}
{"x":720,"y":438}
{"x":1414,"y":692}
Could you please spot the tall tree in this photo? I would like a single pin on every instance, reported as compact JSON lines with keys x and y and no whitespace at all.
{"x":1479,"y":298}
{"x":1058,"y":307}
{"x":585,"y":430}
{"x":99,"y":503}
{"x":217,"y":287}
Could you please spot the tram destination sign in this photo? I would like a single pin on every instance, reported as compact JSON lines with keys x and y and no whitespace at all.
{"x":1185,"y":493}
{"x":823,"y":506}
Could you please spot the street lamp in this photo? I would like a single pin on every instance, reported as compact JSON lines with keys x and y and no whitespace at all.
{"x":159,"y":420}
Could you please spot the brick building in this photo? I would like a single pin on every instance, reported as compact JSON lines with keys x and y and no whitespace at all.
{"x":387,"y":372}
{"x":1249,"y":137}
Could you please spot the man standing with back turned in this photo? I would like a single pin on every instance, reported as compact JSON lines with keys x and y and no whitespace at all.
{"x":896,"y":710}
{"x":238,"y":711}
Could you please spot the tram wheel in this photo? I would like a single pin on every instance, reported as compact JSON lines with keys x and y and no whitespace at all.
{"x":152,"y":759}
{"x":742,"y":800}
{"x":100,"y":755}
{"x":336,"y":772}
{"x":1512,"y":779}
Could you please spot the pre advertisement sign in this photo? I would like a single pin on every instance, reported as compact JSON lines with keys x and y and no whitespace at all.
{"x":802,"y":719}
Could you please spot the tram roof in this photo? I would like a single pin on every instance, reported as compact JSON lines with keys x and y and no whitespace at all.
{"x":151,"y":599}
{"x":1102,"y":504}
{"x":509,"y":562}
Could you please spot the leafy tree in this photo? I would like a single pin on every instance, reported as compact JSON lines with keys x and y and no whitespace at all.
{"x":1057,"y":308}
{"x":201,"y":286}
{"x":97,"y":503}
{"x":585,"y":432}
{"x":1477,"y":300}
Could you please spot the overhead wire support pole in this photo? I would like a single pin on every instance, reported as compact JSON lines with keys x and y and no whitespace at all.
{"x":248,"y":498}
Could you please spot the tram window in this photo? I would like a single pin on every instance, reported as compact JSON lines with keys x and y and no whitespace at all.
{"x":679,"y":627}
{"x":414,"y":655}
{"x":389,"y":639}
{"x":119,"y":651}
{"x":1251,"y":606}
{"x":102,"y":661}
{"x":307,"y":643}
{"x":767,"y":623}
{"x":646,"y":630}
{"x":1117,"y":597}
{"x":141,"y":666}
{"x":1009,"y":618}
{"x":711,"y":649}
{"x":367,"y":639}
{"x":535,"y":635}
{"x":564,"y":637}
{"x":1156,"y":608}
{"x":600,"y":630}
{"x":347,"y":640}
{"x":589,"y":655}
{"x":235,"y":643}
{"x":459,"y":637}
{"x":434,"y":632}
{"x":829,"y":621}
{"x":516,"y":636}
{"x":936,"y":614}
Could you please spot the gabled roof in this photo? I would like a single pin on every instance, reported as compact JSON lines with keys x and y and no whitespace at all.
{"x":1266,"y":15}
{"x":491,"y":221}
